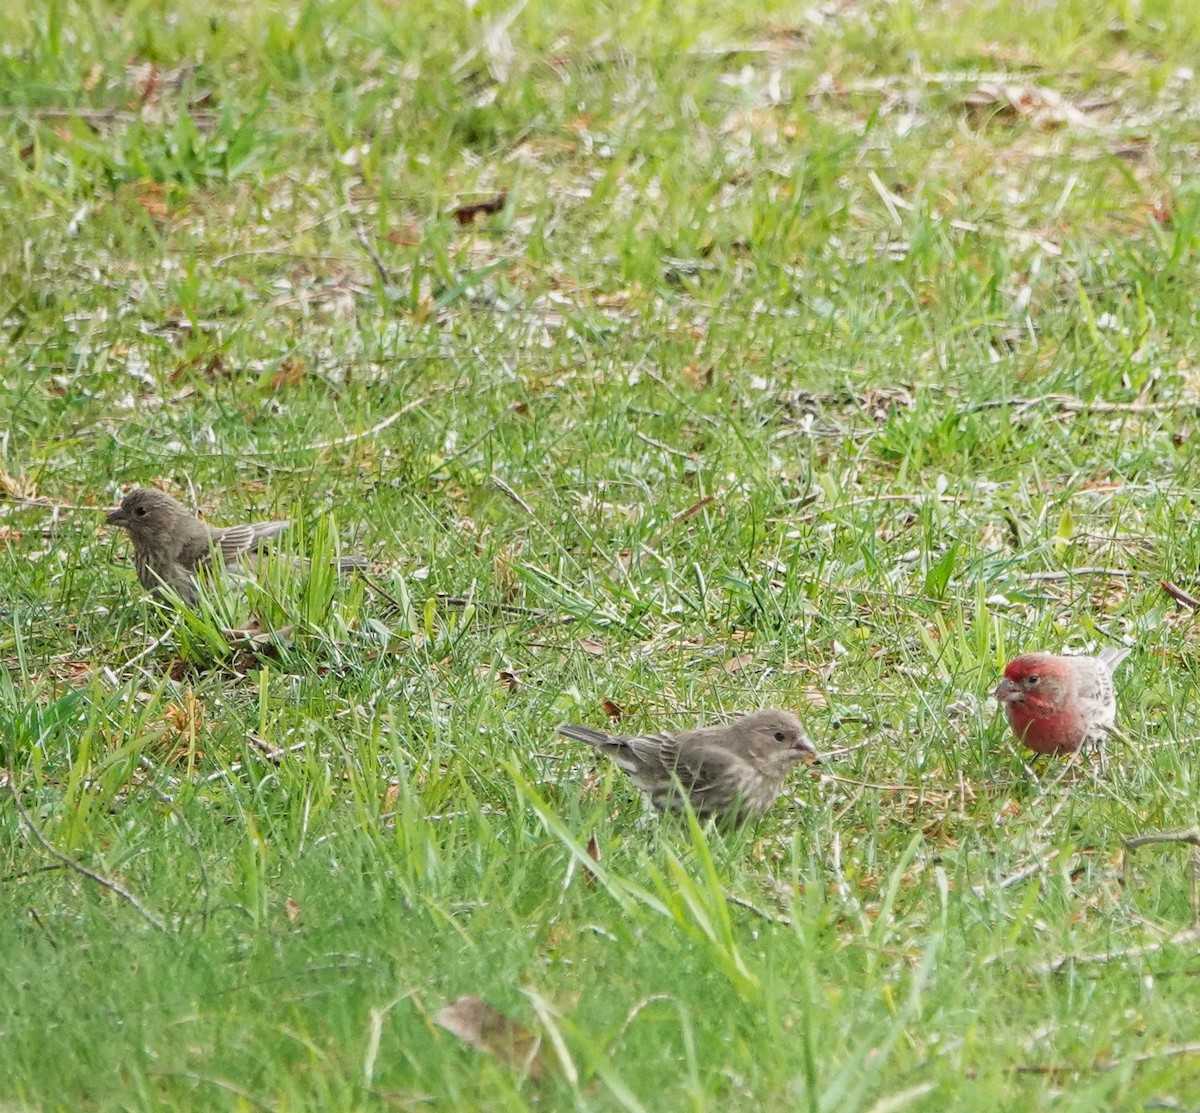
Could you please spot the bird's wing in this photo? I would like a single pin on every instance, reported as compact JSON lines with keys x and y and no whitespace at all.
{"x":232,"y":542}
{"x":1112,"y":656}
{"x":1096,"y":685}
{"x":714,"y":775}
{"x":1097,"y":698}
{"x":645,"y":755}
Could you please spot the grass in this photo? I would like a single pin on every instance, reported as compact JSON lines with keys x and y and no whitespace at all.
{"x":821,"y":357}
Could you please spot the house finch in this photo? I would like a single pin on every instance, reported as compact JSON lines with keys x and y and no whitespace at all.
{"x":731,"y":772}
{"x":1054,"y":703}
{"x":170,"y":545}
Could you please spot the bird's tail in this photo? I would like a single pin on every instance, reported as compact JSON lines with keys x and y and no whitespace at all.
{"x":589,"y":735}
{"x":1113,"y":656}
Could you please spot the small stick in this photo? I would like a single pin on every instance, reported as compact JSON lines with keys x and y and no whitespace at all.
{"x":1054,"y":577}
{"x":1177,"y":593}
{"x":741,"y":902}
{"x":78,"y":867}
{"x":506,"y":489}
{"x":380,"y":269}
{"x":1054,"y":965}
{"x":1192,"y":838}
{"x":377,"y":428}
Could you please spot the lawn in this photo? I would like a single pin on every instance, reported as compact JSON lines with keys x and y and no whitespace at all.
{"x":667,"y":361}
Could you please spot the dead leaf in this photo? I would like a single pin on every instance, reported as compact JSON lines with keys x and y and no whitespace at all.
{"x":486,"y":1029}
{"x":408,"y":236}
{"x":814,"y":697}
{"x":18,"y":488}
{"x":736,"y":664}
{"x":613,"y":710}
{"x":1160,"y":211}
{"x":291,"y":372}
{"x":1038,"y":103}
{"x":208,"y":366}
{"x":466,"y":214}
{"x":589,"y":645}
{"x":593,"y":852}
{"x":150,"y":195}
{"x":145,"y":81}
{"x":292,"y":909}
{"x":692,"y":510}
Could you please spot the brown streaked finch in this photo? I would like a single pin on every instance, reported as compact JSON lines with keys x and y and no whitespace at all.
{"x":171,"y":545}
{"x":1054,"y":704}
{"x":732,"y":772}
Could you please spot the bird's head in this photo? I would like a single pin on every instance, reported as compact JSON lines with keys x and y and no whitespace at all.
{"x":778,"y":737}
{"x":144,"y":510}
{"x":1037,"y":681}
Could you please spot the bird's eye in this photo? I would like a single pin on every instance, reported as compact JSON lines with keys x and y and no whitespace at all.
{"x":1032,"y":679}
{"x":142,"y":511}
{"x":780,"y":736}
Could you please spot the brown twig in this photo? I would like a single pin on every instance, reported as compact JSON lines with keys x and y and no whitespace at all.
{"x":842,"y":751}
{"x":1070,"y":573}
{"x":870,"y":784}
{"x":72,"y":864}
{"x":871,"y":500}
{"x":1192,"y":837}
{"x":741,"y":902}
{"x":380,"y":268}
{"x":663,"y":447}
{"x":378,"y":427}
{"x":478,"y":604}
{"x":1056,"y":964}
{"x":272,"y":752}
{"x":507,"y":490}
{"x":237,"y":766}
{"x":1177,"y":593}
{"x":21,"y":501}
{"x":1068,"y":403}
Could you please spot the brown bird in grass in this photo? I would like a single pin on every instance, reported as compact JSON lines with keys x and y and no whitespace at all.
{"x":171,"y":545}
{"x":732,"y":772}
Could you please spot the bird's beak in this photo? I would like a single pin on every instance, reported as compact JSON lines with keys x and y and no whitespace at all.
{"x":1005,"y":691}
{"x":807,"y":753}
{"x":116,"y":516}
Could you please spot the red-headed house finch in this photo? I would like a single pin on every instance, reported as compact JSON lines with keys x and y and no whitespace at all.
{"x":732,"y":772}
{"x":170,"y":545}
{"x":1054,"y":704}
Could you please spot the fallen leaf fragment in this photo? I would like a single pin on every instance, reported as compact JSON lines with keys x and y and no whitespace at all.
{"x":466,"y":214}
{"x":489,"y":1030}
